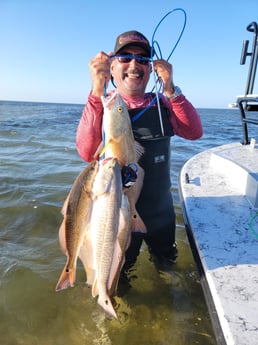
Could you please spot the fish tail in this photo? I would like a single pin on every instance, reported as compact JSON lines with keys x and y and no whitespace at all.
{"x":138,"y":224}
{"x":66,"y":279}
{"x":106,"y":304}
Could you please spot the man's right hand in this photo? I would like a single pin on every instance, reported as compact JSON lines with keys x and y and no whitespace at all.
{"x":100,"y":73}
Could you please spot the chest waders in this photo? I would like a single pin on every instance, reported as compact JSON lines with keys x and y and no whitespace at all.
{"x":155,"y":204}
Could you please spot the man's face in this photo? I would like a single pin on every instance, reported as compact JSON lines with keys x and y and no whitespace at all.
{"x":131,"y":77}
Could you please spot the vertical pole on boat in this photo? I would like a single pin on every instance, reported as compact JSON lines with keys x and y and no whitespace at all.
{"x":254,"y":57}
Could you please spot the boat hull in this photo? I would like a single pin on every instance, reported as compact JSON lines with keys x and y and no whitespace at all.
{"x":218,"y":191}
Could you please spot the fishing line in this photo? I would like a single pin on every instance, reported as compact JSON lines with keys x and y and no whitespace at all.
{"x":155,"y":45}
{"x":105,"y":88}
{"x":153,"y":41}
{"x":156,"y":51}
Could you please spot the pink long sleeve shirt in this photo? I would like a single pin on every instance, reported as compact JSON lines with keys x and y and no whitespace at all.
{"x":183,"y":117}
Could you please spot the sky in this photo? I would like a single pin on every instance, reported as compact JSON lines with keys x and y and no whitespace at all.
{"x":46,"y":45}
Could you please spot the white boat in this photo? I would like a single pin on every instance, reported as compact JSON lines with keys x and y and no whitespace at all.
{"x":219,"y":195}
{"x":233,"y":105}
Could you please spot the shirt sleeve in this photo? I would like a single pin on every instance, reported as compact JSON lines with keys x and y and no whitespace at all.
{"x":88,"y":136}
{"x":184,"y":118}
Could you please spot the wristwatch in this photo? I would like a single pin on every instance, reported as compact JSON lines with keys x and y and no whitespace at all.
{"x":176,"y":93}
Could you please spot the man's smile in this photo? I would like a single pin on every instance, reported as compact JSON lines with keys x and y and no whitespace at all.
{"x":133,"y":74}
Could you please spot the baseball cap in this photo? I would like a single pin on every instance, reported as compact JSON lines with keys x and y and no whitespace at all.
{"x":132,"y":38}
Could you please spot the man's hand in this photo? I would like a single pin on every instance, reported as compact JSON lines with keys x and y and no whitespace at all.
{"x":164,"y":71}
{"x":100,"y":73}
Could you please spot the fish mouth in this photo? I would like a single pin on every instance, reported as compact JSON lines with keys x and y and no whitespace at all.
{"x":133,"y":74}
{"x":111,"y":160}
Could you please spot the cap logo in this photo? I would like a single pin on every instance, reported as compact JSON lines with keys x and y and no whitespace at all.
{"x":131,"y":38}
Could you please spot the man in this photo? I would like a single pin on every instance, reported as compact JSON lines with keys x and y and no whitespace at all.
{"x":129,"y":68}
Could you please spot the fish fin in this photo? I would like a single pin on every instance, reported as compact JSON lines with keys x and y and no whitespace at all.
{"x":133,"y":193}
{"x":121,"y":264}
{"x":138,"y":224}
{"x":64,"y":207}
{"x":91,"y":274}
{"x":86,"y":256}
{"x":104,"y":149}
{"x":106,"y":304}
{"x":122,"y":243}
{"x":139,"y":150}
{"x":128,"y":242}
{"x":99,"y":150}
{"x":66,"y":279}
{"x":61,"y":235}
{"x":137,"y":187}
{"x":95,"y":289}
{"x":115,"y":269}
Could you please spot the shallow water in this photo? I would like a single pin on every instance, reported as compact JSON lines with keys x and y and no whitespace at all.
{"x":39,"y":163}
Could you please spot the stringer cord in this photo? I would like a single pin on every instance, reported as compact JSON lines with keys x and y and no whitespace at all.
{"x":158,"y":101}
{"x":179,"y":37}
{"x":153,"y":42}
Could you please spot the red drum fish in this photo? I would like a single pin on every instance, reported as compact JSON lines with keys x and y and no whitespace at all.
{"x":77,"y":213}
{"x":119,"y":143}
{"x":107,"y":195}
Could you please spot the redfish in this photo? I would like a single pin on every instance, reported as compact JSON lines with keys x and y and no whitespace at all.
{"x":119,"y":143}
{"x":107,"y":196}
{"x":73,"y":230}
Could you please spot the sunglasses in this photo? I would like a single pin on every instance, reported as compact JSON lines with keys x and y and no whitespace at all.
{"x":143,"y":60}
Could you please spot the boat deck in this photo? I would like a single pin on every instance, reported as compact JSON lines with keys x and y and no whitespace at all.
{"x":219,"y":193}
